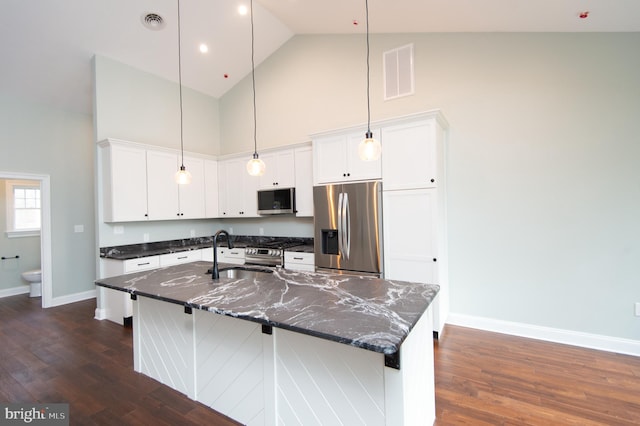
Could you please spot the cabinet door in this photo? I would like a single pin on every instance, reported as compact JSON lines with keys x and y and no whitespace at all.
{"x":410,"y":156}
{"x":124,"y":183}
{"x":211,"y":203}
{"x":279,"y":171}
{"x":410,"y":246}
{"x":329,"y":159}
{"x":357,"y":168}
{"x":192,"y":200}
{"x":304,"y":181}
{"x":239,"y":196}
{"x":162,"y":188}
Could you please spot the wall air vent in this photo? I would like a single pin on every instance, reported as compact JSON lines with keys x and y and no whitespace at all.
{"x":398,"y":72}
{"x":153,"y":21}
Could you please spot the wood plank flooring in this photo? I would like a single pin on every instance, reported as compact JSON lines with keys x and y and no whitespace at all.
{"x":63,"y":355}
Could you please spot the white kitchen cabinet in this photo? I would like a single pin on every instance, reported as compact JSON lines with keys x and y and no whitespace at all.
{"x":211,"y":192}
{"x":298,"y":261}
{"x":234,"y":255}
{"x":304,"y":181}
{"x":124,"y":182}
{"x":280,"y":169}
{"x":180,"y":257}
{"x":414,"y":205}
{"x":138,"y":183}
{"x":412,"y":154}
{"x":162,"y":189}
{"x":335,"y":158}
{"x":191,"y":197}
{"x":115,"y":305}
{"x":238,"y":190}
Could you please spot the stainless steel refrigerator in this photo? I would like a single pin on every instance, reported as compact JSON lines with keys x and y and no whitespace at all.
{"x":348,"y":228}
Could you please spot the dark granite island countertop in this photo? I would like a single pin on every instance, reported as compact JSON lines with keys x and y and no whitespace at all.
{"x":365,"y":312}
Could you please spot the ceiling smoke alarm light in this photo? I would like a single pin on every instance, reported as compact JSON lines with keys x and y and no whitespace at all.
{"x":153,"y":21}
{"x":584,"y":15}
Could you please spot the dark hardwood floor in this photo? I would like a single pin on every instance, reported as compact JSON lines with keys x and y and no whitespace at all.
{"x":63,"y":355}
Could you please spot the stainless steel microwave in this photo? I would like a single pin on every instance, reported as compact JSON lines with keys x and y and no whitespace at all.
{"x":277,"y":201}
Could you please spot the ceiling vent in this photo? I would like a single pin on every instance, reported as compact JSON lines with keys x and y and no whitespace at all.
{"x":153,"y":21}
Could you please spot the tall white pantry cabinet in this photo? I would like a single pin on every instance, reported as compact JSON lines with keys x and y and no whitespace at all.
{"x":414,"y":204}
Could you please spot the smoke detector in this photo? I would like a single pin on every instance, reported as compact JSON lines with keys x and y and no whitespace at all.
{"x":153,"y":21}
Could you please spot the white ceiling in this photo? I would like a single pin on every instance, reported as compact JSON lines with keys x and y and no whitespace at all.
{"x":46,"y":45}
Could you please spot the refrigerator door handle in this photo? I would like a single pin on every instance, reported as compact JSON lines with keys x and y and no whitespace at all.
{"x":340,"y":224}
{"x":347,"y":225}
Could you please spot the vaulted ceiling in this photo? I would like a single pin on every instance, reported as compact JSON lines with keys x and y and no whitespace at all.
{"x":46,"y":46}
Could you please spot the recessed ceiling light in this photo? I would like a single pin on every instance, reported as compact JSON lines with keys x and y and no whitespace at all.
{"x":204,"y":48}
{"x":152,"y":21}
{"x":242,"y":10}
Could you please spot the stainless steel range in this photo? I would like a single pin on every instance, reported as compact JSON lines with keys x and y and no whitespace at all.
{"x":267,"y":254}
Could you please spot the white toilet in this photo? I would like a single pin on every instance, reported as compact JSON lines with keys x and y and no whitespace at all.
{"x":35,"y":280}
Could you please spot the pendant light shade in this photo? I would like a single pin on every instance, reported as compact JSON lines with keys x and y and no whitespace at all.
{"x":255,"y":166}
{"x":182,"y":177}
{"x":369,"y":149}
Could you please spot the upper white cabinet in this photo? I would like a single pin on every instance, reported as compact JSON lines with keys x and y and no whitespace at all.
{"x":124,"y":182}
{"x":335,"y":158}
{"x":411,"y":155}
{"x":211,"y":193}
{"x":191,"y":197}
{"x":304,"y":181}
{"x":138,"y":183}
{"x":238,"y":190}
{"x":162,"y":189}
{"x":280,"y":170}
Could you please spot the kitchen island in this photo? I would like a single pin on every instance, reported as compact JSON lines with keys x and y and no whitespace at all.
{"x":287,"y":347}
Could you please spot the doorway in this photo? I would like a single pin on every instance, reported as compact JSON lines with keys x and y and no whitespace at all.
{"x":45,"y":229}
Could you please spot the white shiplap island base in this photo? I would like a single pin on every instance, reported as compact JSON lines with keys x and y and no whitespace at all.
{"x":281,"y":363}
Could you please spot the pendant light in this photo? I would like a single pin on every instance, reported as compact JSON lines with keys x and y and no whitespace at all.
{"x":255,"y":166}
{"x":369,"y":149}
{"x":182,"y":177}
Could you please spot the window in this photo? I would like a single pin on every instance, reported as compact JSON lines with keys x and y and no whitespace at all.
{"x":23,"y":208}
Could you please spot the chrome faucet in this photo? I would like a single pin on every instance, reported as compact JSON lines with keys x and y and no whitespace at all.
{"x":214,"y":272}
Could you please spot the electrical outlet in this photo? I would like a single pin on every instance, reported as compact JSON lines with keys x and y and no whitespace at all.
{"x":78,"y":228}
{"x":118,"y":229}
{"x":638,"y":309}
{"x":193,"y":233}
{"x":230,"y":230}
{"x":261,"y":231}
{"x":145,"y":237}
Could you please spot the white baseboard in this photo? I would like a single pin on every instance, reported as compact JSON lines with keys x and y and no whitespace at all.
{"x":567,"y":337}
{"x":71,"y":298}
{"x":14,"y":291}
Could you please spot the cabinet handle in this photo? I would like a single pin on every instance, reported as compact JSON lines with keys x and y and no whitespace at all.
{"x":146,"y":215}
{"x":142,"y":264}
{"x":183,"y":257}
{"x":433,"y":180}
{"x":297,"y":258}
{"x":435,"y":260}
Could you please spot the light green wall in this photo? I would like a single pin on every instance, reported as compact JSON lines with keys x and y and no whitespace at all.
{"x":28,"y":248}
{"x":139,"y":107}
{"x":544,"y":183}
{"x":41,"y":140}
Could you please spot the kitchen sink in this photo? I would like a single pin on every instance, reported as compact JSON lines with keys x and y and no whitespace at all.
{"x":242,"y":272}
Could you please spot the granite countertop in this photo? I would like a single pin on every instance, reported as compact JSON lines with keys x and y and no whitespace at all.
{"x":365,"y":312}
{"x":133,"y":251}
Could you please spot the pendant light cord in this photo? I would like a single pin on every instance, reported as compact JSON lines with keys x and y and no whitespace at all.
{"x":253,"y":79}
{"x":366,"y":4}
{"x":180,"y":86}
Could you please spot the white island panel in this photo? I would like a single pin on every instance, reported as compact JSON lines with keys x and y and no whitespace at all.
{"x":229,"y":365}
{"x":163,"y":343}
{"x":321,"y":382}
